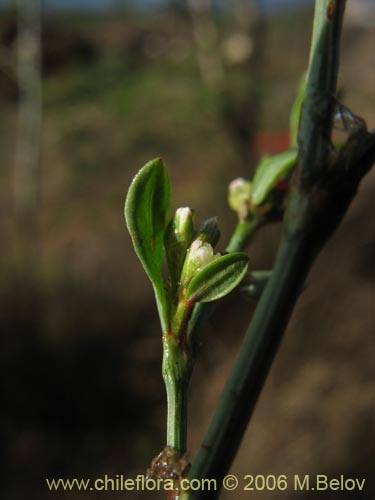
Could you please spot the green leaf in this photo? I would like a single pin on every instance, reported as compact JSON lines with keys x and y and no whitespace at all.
{"x":146,"y":212}
{"x":269,"y":171}
{"x":218,"y":278}
{"x":295,"y":112}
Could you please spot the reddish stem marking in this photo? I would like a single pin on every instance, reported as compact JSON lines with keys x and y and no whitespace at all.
{"x":331,"y":10}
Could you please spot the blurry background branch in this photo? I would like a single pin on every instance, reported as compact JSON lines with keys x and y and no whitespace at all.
{"x":228,"y":60}
{"x":27,"y":160}
{"x":207,"y":41}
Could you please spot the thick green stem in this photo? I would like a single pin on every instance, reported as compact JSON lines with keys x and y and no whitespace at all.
{"x":316,"y":206}
{"x":176,"y":374}
{"x":317,"y":116}
{"x":251,"y":367}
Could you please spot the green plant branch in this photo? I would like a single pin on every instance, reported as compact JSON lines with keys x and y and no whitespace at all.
{"x":244,"y":384}
{"x":178,"y":360}
{"x":305,"y":233}
{"x":324,"y":186}
{"x":316,"y":120}
{"x":243,"y":234}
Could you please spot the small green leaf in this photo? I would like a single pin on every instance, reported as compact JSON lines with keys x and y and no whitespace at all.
{"x":217,"y":278}
{"x":146,"y":213}
{"x":269,"y":171}
{"x":295,"y":112}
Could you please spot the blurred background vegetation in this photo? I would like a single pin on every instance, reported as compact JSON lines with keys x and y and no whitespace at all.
{"x":87,"y":95}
